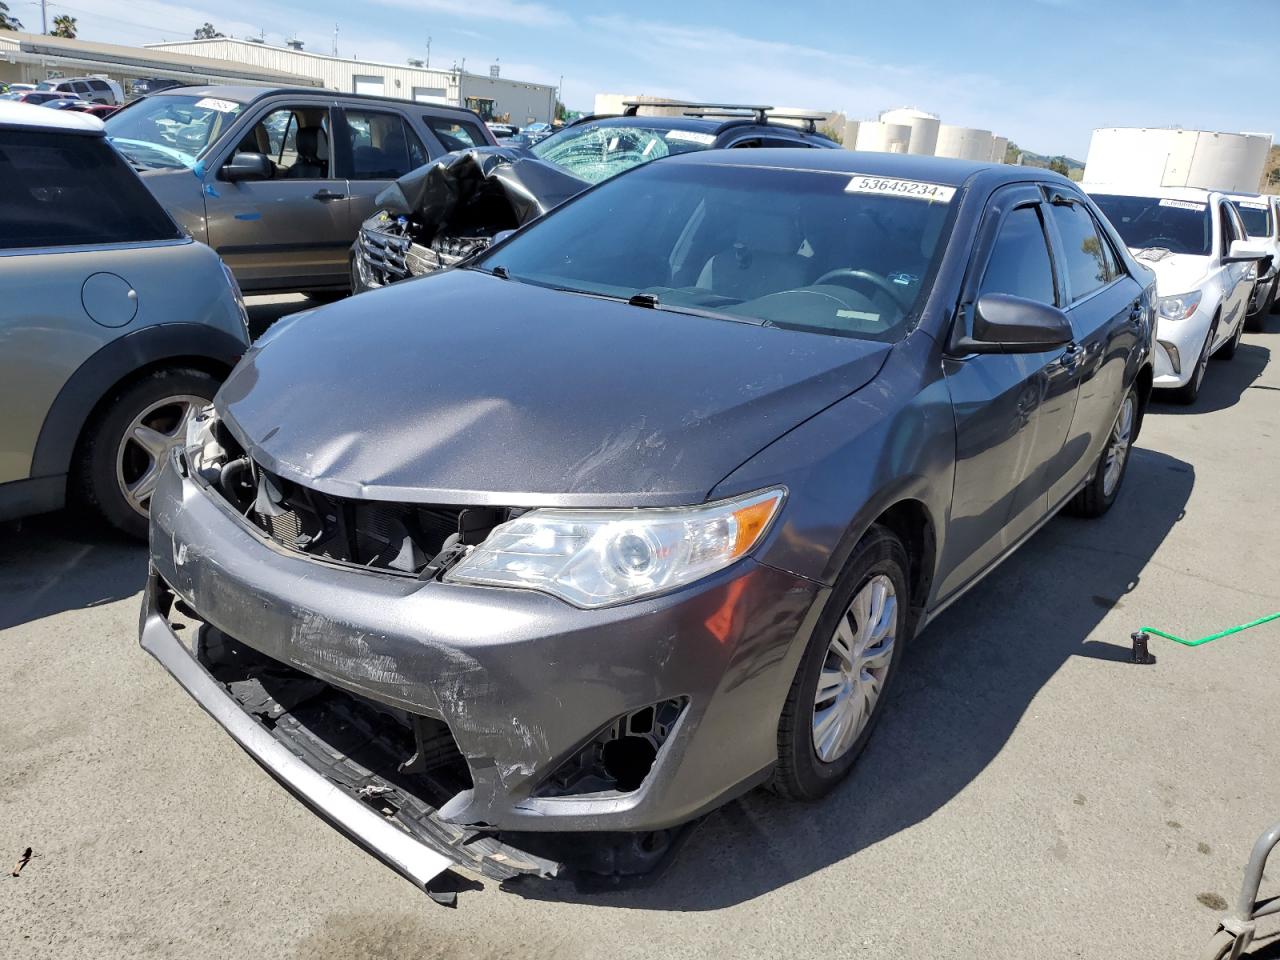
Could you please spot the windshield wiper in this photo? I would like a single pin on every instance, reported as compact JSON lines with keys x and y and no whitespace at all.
{"x":651,"y":302}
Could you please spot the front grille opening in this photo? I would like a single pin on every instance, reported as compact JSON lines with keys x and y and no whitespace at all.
{"x":406,"y":538}
{"x":619,"y":758}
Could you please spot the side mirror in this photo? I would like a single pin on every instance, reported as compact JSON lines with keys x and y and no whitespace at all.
{"x":1006,"y":324}
{"x":247,"y":166}
{"x":1244,"y":250}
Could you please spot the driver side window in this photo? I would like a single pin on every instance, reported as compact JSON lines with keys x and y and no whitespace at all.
{"x":1020,"y":264}
{"x":295,"y":139}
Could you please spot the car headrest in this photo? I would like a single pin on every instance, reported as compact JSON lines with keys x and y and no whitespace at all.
{"x":311,"y":142}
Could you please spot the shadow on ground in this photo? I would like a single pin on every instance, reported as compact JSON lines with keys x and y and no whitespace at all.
{"x":61,"y":562}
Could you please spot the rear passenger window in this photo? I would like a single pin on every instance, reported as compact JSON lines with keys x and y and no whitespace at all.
{"x":1082,"y":249}
{"x":63,"y":190}
{"x":1019,"y":264}
{"x":456,"y":135}
{"x":99,"y":85}
{"x":380,"y":146}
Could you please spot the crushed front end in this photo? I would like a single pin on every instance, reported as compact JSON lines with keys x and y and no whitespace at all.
{"x":451,"y":209}
{"x":437,"y":723}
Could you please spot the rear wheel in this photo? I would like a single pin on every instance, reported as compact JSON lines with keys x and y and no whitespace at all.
{"x":1100,"y":493}
{"x":130,"y":439}
{"x":838,"y":693}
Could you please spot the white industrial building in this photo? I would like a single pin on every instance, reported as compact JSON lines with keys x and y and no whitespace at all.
{"x":490,"y":95}
{"x":911,"y":130}
{"x":922,"y":129}
{"x":1170,"y":157}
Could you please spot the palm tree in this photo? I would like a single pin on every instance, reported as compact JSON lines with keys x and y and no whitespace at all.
{"x":8,"y":22}
{"x":64,"y":26}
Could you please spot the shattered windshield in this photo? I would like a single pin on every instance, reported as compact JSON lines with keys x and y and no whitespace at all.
{"x":1179,"y":226}
{"x":835,"y":253}
{"x":171,"y":131}
{"x":1256,"y":217}
{"x":597,"y":151}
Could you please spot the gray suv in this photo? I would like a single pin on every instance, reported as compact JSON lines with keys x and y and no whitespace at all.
{"x":282,"y":178}
{"x":116,"y":326}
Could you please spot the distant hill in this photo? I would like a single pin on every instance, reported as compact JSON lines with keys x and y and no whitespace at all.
{"x":1075,"y":168}
{"x":1271,"y":172}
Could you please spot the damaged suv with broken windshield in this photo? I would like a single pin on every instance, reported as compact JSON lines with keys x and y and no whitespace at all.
{"x":442,"y":213}
{"x":527,"y":564}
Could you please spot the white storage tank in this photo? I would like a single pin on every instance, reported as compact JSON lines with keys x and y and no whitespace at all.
{"x":999,"y":147}
{"x":850,"y":139}
{"x":924,"y":128}
{"x":964,"y":143}
{"x":883,"y":137}
{"x":1164,"y":157}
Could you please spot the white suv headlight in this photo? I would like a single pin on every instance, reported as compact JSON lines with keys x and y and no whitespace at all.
{"x":595,"y":558}
{"x":1179,"y":307}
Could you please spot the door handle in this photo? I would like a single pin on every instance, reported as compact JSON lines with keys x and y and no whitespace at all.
{"x":1070,"y":356}
{"x":328,"y":195}
{"x":1135,"y":313}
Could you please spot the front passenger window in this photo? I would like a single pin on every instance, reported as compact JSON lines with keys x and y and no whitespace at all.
{"x":1085,"y":264}
{"x":1020,"y":264}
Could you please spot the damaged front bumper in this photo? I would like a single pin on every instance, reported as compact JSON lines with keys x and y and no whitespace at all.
{"x":526,"y":684}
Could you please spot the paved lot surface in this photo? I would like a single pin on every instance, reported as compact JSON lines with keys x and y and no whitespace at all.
{"x":1029,"y":795}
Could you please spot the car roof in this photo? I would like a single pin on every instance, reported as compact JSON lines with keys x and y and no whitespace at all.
{"x":714,"y":124}
{"x":1197,"y":194}
{"x":246,"y":94}
{"x":940,"y":170}
{"x":31,"y":116}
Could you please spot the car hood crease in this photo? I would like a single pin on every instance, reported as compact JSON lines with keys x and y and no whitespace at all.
{"x":478,"y":390}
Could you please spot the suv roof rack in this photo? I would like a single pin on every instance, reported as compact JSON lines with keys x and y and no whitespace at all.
{"x":810,"y":119}
{"x":631,"y":108}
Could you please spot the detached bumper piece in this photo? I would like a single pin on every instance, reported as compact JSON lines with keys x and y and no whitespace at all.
{"x":374,"y":773}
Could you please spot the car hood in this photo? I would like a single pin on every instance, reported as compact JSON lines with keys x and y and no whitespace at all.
{"x":1175,"y":272}
{"x":463,"y":388}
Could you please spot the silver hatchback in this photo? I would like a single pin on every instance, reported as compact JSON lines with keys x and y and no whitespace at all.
{"x":115,"y":325}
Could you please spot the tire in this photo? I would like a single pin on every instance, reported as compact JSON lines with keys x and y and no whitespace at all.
{"x":879,"y":560}
{"x":115,"y":470}
{"x":1228,"y":349}
{"x":1186,"y":394}
{"x":1097,"y":496}
{"x":1219,"y":947}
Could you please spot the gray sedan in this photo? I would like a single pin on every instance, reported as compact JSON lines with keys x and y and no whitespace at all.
{"x":637,"y":510}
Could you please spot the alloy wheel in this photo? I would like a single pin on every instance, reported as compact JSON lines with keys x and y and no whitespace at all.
{"x":147,"y":442}
{"x":854,"y":669}
{"x":1118,"y":448}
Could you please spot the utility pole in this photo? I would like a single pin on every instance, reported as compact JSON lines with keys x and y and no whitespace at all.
{"x":428,"y":53}
{"x":335,"y":39}
{"x":44,"y":17}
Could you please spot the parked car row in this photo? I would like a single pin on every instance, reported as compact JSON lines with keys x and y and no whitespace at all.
{"x":631,"y":497}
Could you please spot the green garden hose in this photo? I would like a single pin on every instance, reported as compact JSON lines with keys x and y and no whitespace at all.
{"x":1213,"y":636}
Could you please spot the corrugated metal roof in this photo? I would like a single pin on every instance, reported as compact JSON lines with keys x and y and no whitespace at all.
{"x":112,"y":55}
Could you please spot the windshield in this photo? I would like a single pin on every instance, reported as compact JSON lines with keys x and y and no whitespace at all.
{"x":833,"y":253}
{"x":171,"y":131}
{"x":1256,"y":215}
{"x":1179,"y":226}
{"x":597,"y":151}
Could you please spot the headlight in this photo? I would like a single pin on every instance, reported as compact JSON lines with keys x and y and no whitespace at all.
{"x":595,"y":558}
{"x":201,"y":448}
{"x":1179,"y":307}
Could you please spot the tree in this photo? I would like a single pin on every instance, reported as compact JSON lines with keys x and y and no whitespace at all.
{"x":64,"y":26}
{"x":560,"y":112}
{"x":8,"y":22}
{"x":1059,"y":165}
{"x":207,"y":31}
{"x":1012,"y":153}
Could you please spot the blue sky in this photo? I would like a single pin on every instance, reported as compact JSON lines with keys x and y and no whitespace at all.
{"x":1042,"y":72}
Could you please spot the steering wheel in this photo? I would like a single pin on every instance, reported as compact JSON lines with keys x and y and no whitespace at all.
{"x":842,"y":275}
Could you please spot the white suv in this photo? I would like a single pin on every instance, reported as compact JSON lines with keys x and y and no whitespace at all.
{"x":91,"y":89}
{"x":1259,"y":216}
{"x":1205,"y":267}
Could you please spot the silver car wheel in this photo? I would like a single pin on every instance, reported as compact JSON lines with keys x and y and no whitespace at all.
{"x":854,"y":669}
{"x":146,"y":444}
{"x":1118,"y":448}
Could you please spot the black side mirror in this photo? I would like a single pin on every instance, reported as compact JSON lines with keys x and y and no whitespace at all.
{"x":247,"y":166}
{"x":1006,"y":324}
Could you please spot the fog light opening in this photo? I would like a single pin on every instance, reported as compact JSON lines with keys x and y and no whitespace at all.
{"x":628,"y":761}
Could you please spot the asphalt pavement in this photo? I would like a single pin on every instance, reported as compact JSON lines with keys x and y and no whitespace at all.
{"x":1029,"y":794}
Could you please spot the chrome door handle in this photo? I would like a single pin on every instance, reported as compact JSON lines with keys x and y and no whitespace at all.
{"x":328,"y":195}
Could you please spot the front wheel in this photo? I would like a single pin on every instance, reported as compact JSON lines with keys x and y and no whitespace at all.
{"x":1188,"y":393}
{"x":1229,"y":348}
{"x":1097,"y":496}
{"x":838,"y":693}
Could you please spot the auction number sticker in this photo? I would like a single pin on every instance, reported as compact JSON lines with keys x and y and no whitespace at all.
{"x":1251,"y":205}
{"x":222,"y":106}
{"x":1185,"y":205}
{"x":690,"y":136}
{"x":884,"y":186}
